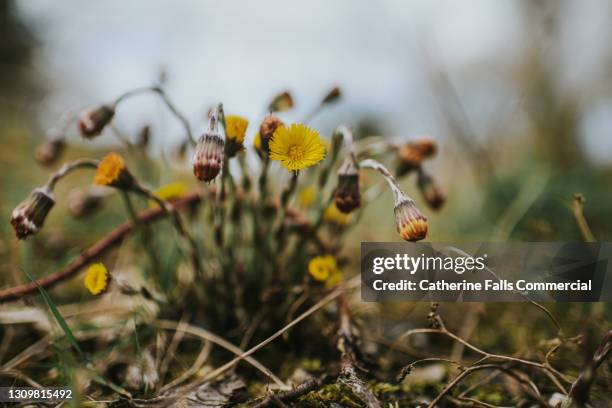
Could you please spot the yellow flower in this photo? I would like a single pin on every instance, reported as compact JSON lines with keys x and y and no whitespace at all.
{"x":96,"y":278}
{"x":170,"y":192}
{"x":322,"y":267}
{"x":257,"y":141}
{"x":307,"y":196}
{"x":113,"y":172}
{"x":236,"y":127}
{"x":334,"y":279}
{"x":333,"y":215}
{"x":296,"y":147}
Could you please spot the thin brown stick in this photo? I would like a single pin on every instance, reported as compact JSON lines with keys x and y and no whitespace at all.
{"x":205,"y":334}
{"x":578,"y":210}
{"x":321,"y":303}
{"x":96,"y":250}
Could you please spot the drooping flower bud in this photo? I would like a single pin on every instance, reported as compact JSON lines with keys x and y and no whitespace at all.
{"x":209,"y":152}
{"x":431,"y":192}
{"x":93,"y":121}
{"x":267,"y":129}
{"x":411,"y":224}
{"x":347,"y":196}
{"x":113,"y":172}
{"x":332,"y":96}
{"x":281,"y":102}
{"x":410,"y":159}
{"x":49,"y":151}
{"x":412,"y":154}
{"x":29,"y":216}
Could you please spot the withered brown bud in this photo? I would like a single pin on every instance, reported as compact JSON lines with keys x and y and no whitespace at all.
{"x":209,"y":152}
{"x":412,"y":154}
{"x":410,"y":159}
{"x":144,"y":136}
{"x":427,"y":147}
{"x":431,"y":192}
{"x":332,"y":96}
{"x":82,"y":203}
{"x":29,"y":216}
{"x":347,"y":196}
{"x":93,"y":121}
{"x":49,"y":151}
{"x":267,"y":129}
{"x":281,"y":102}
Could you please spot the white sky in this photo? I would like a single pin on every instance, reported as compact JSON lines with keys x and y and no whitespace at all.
{"x":242,"y":52}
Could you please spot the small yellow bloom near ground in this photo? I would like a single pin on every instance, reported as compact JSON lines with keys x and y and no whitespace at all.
{"x":296,"y":147}
{"x":333,"y":215}
{"x":325,"y":269}
{"x":96,"y":278}
{"x":112,"y":172}
{"x":170,"y":192}
{"x":307,"y":197}
{"x":321,"y":267}
{"x":236,"y":127}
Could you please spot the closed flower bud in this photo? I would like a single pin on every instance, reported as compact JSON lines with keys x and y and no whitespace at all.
{"x":93,"y":121}
{"x":427,"y":147}
{"x":209,"y":152}
{"x":113,"y":172}
{"x":431,"y":192}
{"x":49,"y":151}
{"x":82,"y":203}
{"x":29,"y":216}
{"x":267,"y":129}
{"x":410,"y":159}
{"x":411,"y":224}
{"x":412,"y":154}
{"x":332,"y":96}
{"x":347,"y":196}
{"x":281,"y":102}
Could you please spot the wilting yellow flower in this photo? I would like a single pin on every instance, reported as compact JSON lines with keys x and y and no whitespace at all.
{"x":257,"y":141}
{"x":96,"y":278}
{"x":113,"y":172}
{"x":171,"y":191}
{"x":333,"y":215}
{"x":410,"y":222}
{"x":236,"y":127}
{"x":296,"y":147}
{"x":322,"y":267}
{"x":307,"y":196}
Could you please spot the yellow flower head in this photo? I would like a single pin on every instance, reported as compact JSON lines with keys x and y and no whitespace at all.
{"x":333,"y":215}
{"x":171,"y":191}
{"x":257,"y":141}
{"x":113,"y":172}
{"x":322,"y":267}
{"x":236,"y":127}
{"x":96,"y":278}
{"x":296,"y":147}
{"x":307,"y":196}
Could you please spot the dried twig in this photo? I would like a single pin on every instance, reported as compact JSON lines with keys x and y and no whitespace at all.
{"x":284,"y":396}
{"x":577,"y":209}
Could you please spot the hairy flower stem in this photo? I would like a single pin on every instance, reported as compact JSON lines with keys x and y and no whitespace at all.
{"x":69,"y":168}
{"x":145,"y":234}
{"x":285,"y":197}
{"x":178,"y":225}
{"x":164,"y":97}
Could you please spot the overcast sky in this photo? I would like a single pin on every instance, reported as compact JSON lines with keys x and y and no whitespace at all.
{"x":242,"y":52}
